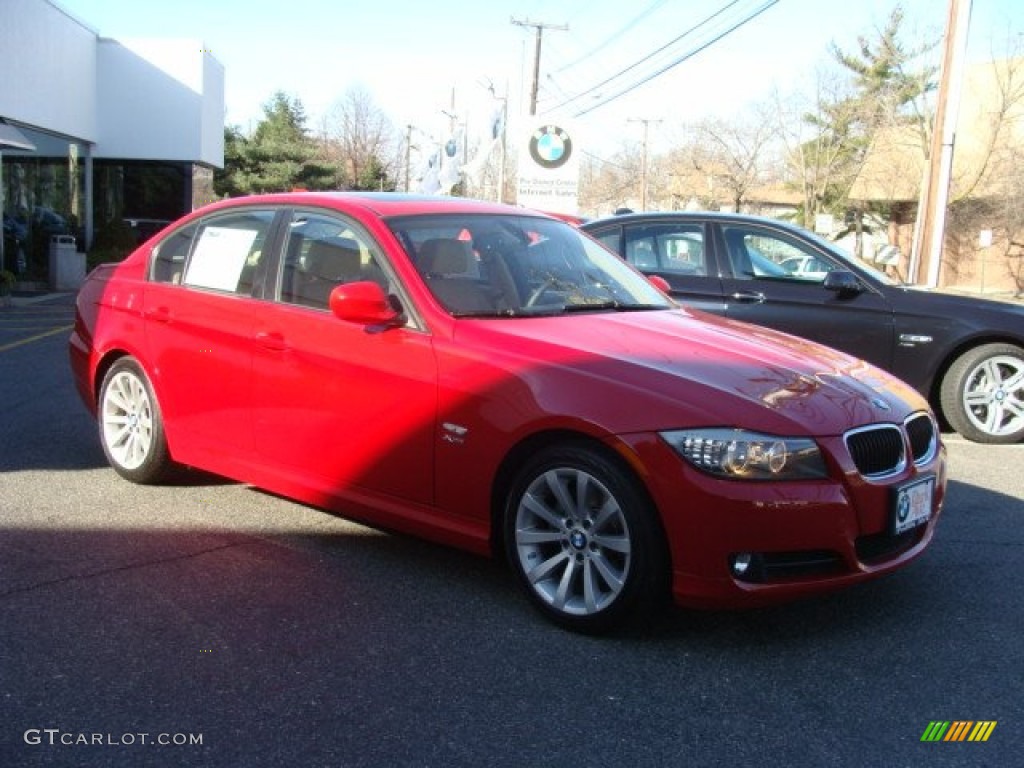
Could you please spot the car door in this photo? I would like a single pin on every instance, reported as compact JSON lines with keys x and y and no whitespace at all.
{"x":199,"y":312}
{"x":675,"y":251}
{"x":758,"y":290}
{"x":338,"y":406}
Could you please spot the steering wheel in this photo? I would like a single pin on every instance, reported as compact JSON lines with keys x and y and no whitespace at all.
{"x":540,"y":290}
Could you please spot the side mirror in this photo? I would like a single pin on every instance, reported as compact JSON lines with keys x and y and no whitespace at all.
{"x":365,"y":303}
{"x":660,"y":283}
{"x":843,"y":283}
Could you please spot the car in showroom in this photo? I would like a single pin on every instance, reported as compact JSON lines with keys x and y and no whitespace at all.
{"x":964,"y":354}
{"x":492,"y":379}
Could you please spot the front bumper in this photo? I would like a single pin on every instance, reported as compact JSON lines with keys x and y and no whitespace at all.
{"x":797,"y":538}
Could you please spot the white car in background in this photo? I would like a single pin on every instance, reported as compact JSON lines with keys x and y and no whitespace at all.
{"x":805,"y":267}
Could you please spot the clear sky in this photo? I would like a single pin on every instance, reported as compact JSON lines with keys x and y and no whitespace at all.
{"x":410,"y":55}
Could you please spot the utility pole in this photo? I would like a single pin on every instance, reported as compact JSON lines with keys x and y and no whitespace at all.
{"x":643,"y":162}
{"x":539,"y":27}
{"x":408,"y":154}
{"x":503,"y":156}
{"x":931,"y":223}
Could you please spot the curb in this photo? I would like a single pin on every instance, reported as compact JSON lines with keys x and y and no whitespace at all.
{"x":25,"y":301}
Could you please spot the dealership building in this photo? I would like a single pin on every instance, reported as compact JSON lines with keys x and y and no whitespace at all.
{"x":98,"y":134}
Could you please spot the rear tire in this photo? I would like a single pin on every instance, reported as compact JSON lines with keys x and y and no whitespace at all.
{"x":982,"y":394}
{"x":130,"y":425}
{"x":584,"y":540}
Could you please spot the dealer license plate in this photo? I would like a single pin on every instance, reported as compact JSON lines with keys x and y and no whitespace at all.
{"x":913,"y":505}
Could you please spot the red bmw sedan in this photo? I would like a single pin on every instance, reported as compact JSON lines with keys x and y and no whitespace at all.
{"x":492,"y":379}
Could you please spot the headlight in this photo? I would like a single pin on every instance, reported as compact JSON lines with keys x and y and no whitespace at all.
{"x":736,"y":453}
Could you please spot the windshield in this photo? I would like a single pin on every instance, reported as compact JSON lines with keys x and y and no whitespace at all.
{"x":518,"y":266}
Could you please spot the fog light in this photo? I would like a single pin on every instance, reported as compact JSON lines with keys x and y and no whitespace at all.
{"x":741,"y":564}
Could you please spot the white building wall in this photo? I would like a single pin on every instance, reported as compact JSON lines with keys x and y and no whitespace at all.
{"x":159,"y":100}
{"x":212,"y":147}
{"x":47,"y":69}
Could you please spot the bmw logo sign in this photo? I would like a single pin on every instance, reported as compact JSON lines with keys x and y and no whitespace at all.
{"x":550,"y":147}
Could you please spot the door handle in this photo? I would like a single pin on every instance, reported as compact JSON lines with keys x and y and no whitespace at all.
{"x":158,"y":314}
{"x":272,"y":340}
{"x":749,"y":297}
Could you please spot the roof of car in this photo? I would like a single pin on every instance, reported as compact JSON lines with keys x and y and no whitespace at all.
{"x":382,"y":204}
{"x":622,"y":218}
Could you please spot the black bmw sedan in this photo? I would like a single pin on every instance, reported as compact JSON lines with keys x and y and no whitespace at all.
{"x":965,"y":354}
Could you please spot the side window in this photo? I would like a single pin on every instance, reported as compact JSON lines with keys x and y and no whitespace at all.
{"x":168,"y":263}
{"x":760,"y":253}
{"x":640,"y":252}
{"x":323,"y":252}
{"x":676,"y":248}
{"x":610,"y":239}
{"x":227,"y":252}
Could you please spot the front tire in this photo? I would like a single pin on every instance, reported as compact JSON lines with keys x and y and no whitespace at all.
{"x":983,"y":394}
{"x":584,"y":540}
{"x":130,"y":424}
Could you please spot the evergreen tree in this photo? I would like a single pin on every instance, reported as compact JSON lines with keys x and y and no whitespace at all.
{"x":278,"y":157}
{"x":374,"y":176}
{"x":229,"y":181}
{"x":883,"y":91}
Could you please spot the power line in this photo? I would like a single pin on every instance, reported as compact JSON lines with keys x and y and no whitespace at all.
{"x":681,"y":59}
{"x":605,"y":161}
{"x":651,"y":55}
{"x":613,"y":37}
{"x":558,"y":91}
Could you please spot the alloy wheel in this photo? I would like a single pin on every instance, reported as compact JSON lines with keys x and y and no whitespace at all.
{"x":127,"y":418}
{"x":993,"y":395}
{"x":572,"y":541}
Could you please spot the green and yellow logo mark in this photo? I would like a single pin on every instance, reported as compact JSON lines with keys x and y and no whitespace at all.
{"x":958,"y":730}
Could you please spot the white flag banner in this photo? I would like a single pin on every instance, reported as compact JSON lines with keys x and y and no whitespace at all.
{"x":452,"y":158}
{"x":429,"y":176}
{"x":487,"y":142}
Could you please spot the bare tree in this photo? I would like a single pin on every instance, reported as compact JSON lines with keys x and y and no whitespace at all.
{"x":607,"y":184}
{"x":366,"y":143}
{"x":868,"y":107}
{"x":815,"y":133}
{"x":735,"y":154}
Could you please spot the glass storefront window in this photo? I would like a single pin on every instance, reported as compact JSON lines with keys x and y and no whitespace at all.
{"x":43,"y":192}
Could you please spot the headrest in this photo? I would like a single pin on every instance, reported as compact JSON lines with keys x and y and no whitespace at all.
{"x":333,"y":260}
{"x":444,"y":257}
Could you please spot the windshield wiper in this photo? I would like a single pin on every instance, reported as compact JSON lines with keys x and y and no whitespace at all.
{"x":618,"y":306}
{"x":550,"y":310}
{"x":486,"y":313}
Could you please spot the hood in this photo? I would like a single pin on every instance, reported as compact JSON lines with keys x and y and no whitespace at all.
{"x":985,"y":314}
{"x":674,"y":368}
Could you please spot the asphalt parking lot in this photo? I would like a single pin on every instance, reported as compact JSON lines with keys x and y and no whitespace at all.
{"x":208,"y":623}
